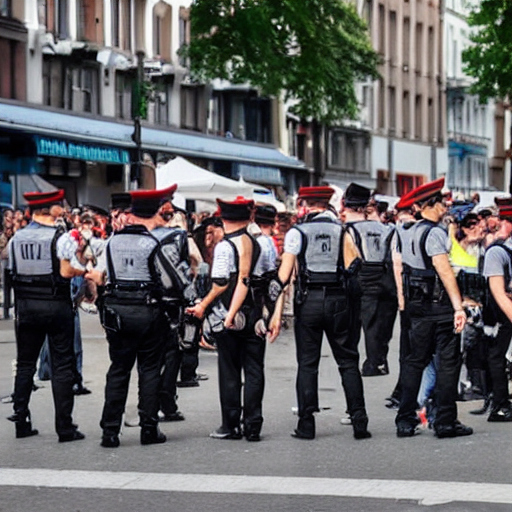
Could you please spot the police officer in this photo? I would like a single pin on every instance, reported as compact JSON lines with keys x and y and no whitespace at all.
{"x":239,"y":348}
{"x":41,"y":280}
{"x":404,"y":220}
{"x":133,"y":319}
{"x":498,"y":313}
{"x":434,"y":305}
{"x":326,"y":301}
{"x":378,"y":297}
{"x":265,"y":276}
{"x":178,"y":293}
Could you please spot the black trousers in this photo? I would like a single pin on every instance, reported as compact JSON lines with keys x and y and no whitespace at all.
{"x":189,"y":363}
{"x":327,"y":310}
{"x":379,"y":306}
{"x":36,"y":319}
{"x":496,"y":350}
{"x":134,"y":333}
{"x":241,"y":352}
{"x":428,"y":335}
{"x":172,"y":361}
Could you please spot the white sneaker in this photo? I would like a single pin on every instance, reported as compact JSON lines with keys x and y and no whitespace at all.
{"x":346,"y":421}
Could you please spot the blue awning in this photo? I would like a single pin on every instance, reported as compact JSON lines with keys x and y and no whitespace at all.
{"x":463,"y":149}
{"x":65,"y":126}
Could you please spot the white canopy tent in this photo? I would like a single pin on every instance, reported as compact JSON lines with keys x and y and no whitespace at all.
{"x":199,"y":184}
{"x":205,"y":187}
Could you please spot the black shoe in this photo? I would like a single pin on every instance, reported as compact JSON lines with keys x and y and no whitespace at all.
{"x":299,"y":434}
{"x":75,"y":435}
{"x":187,"y":383}
{"x":174,"y":416}
{"x":501,"y":415}
{"x":485,"y":407}
{"x":222,"y":433}
{"x":81,"y":390}
{"x":24,"y":429}
{"x":252,"y":437}
{"x":406,"y":430}
{"x":13,"y":417}
{"x":382,"y":369}
{"x":360,"y":427}
{"x":110,"y":441}
{"x":151,"y":435}
{"x":393,"y":403}
{"x":457,"y":430}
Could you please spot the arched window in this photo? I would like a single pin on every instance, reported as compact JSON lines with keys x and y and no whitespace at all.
{"x":162,"y":24}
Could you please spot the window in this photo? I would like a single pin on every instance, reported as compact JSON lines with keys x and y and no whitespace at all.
{"x":5,"y":8}
{"x":184,"y":31}
{"x":392,"y":40}
{"x":124,"y":85}
{"x":382,"y":104}
{"x":406,"y":44}
{"x":406,"y":115}
{"x":257,"y":119}
{"x":53,"y":82}
{"x":12,"y":77}
{"x":162,"y":23}
{"x":407,"y":182}
{"x":417,"y":117}
{"x":89,"y":15}
{"x":193,"y":112}
{"x":55,"y":13}
{"x":348,"y":151}
{"x":161,"y":99}
{"x":114,"y":16}
{"x":392,"y":110}
{"x":215,"y":124}
{"x":431,"y":120}
{"x":419,"y":47}
{"x":431,"y":71}
{"x":82,"y":89}
{"x":382,"y":31}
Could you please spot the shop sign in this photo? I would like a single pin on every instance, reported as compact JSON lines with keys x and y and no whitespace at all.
{"x":80,"y":151}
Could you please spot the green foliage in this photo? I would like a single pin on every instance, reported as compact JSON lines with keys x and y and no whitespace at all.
{"x":489,"y":59}
{"x":311,"y":50}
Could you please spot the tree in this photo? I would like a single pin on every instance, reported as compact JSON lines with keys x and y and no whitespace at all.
{"x":489,"y":59}
{"x":313,"y":51}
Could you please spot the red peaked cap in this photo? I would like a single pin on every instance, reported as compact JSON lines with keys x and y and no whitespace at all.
{"x":146,"y":203}
{"x":420,"y":194}
{"x":239,"y":209}
{"x":37,"y":200}
{"x":504,"y":205}
{"x":320,"y":193}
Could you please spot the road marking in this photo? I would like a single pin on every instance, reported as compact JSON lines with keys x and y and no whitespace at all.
{"x":426,"y":493}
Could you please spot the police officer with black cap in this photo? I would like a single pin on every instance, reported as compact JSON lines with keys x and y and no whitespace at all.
{"x":41,"y":280}
{"x":240,"y":348}
{"x":378,"y":298}
{"x":326,"y":301}
{"x":133,"y":319}
{"x":434,"y":306}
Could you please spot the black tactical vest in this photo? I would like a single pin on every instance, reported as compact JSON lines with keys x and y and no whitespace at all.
{"x":424,"y":284}
{"x":492,"y":313}
{"x":131,"y":274}
{"x":321,"y":257}
{"x":36,"y":268}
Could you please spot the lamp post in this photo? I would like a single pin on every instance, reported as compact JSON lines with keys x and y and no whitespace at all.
{"x":135,"y":171}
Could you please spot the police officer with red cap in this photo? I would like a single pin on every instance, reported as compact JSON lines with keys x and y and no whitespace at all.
{"x":326,"y":301}
{"x":41,"y":281}
{"x":133,"y":319}
{"x":239,"y":348}
{"x":434,"y":307}
{"x":498,"y":313}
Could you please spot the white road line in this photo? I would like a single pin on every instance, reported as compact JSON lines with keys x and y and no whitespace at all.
{"x":425,"y":492}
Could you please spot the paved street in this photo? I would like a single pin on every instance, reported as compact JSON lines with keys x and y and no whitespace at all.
{"x":193,"y":472}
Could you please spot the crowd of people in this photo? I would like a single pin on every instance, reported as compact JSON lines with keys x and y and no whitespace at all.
{"x":166,"y":282}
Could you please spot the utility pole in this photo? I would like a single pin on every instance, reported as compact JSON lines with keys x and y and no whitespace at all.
{"x":136,"y":167}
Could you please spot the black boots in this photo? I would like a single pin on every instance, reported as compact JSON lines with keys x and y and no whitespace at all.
{"x":109,"y":439}
{"x":360,"y":427}
{"x":24,"y":425}
{"x":150,"y":434}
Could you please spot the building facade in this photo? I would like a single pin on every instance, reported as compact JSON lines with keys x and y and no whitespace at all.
{"x":74,"y":85}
